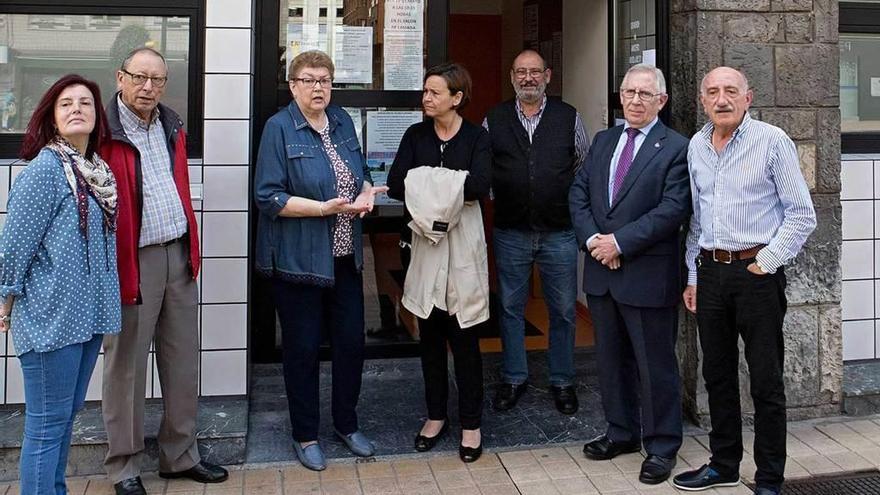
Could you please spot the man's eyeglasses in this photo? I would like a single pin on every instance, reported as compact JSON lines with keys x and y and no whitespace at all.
{"x":522,"y":73}
{"x":629,"y":94}
{"x":310,"y":82}
{"x":141,"y":79}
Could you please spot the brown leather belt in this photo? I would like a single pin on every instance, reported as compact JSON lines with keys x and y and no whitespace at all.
{"x":726,"y":257}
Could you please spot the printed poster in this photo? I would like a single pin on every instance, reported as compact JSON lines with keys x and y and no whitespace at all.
{"x":384,"y":131}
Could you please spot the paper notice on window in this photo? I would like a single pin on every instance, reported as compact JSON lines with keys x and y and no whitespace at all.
{"x":404,"y":34}
{"x":353,"y":54}
{"x":875,"y":86}
{"x":649,"y":57}
{"x":404,"y":15}
{"x":403,"y":60}
{"x":355,"y":114}
{"x":303,"y":37}
{"x":384,"y":131}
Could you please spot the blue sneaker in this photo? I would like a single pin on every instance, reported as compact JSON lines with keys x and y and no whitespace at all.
{"x":703,"y":479}
{"x":357,"y":443}
{"x":311,"y":457}
{"x":767,"y":490}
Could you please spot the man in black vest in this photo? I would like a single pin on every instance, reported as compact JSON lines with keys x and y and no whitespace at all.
{"x":537,"y":145}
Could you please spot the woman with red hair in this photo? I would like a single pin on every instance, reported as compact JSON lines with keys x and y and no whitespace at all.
{"x":59,"y":292}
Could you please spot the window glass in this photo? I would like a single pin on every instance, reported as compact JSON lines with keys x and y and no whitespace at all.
{"x":37,"y":49}
{"x":374,"y":44}
{"x":636,"y":35}
{"x":859,"y":82}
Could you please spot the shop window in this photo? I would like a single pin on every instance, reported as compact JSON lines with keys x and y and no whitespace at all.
{"x":859,"y":77}
{"x":40,"y":48}
{"x":42,"y":40}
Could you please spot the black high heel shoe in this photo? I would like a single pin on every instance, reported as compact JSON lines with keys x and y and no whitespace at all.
{"x":470,"y":454}
{"x":424,"y":444}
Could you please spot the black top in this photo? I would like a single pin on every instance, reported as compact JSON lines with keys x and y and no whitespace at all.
{"x":530,"y":180}
{"x":468,"y":150}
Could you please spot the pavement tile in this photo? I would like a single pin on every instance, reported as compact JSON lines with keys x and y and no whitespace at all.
{"x":453,"y":479}
{"x":817,"y":464}
{"x":694,"y":459}
{"x":537,"y":488}
{"x":740,"y":489}
{"x":611,"y":483}
{"x":235,"y":490}
{"x":520,"y":458}
{"x":850,"y":461}
{"x":411,"y":467}
{"x":528,"y":473}
{"x":691,"y":445}
{"x":178,"y":486}
{"x":338,"y":472}
{"x":868,"y":429}
{"x":563,"y":469}
{"x":97,"y":486}
{"x":597,"y":468}
{"x":556,"y":454}
{"x":575,"y":486}
{"x":420,"y":484}
{"x":872,"y":455}
{"x":486,"y":461}
{"x":380,"y":486}
{"x":795,"y":447}
{"x":302,"y":487}
{"x":447,"y":463}
{"x":254,"y":478}
{"x":493,"y":476}
{"x":467,"y":490}
{"x":629,"y":463}
{"x":659,"y":489}
{"x":374,"y":470}
{"x":793,"y":470}
{"x":236,"y":478}
{"x":265,"y":490}
{"x":341,"y":487}
{"x":298,"y":473}
{"x":13,"y":490}
{"x":817,"y":440}
{"x":503,"y":489}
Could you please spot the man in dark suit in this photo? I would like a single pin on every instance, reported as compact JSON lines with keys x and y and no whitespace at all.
{"x":628,"y":202}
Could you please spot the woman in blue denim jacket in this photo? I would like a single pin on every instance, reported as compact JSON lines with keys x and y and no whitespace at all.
{"x":312,"y":189}
{"x":59,"y":292}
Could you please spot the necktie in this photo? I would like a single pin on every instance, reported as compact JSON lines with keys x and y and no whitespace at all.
{"x":626,"y":159}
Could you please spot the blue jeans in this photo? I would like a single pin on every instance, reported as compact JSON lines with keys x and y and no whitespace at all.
{"x":556,"y":256}
{"x":55,"y":385}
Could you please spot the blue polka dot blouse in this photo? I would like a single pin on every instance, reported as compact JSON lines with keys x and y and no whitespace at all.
{"x":65,"y":288}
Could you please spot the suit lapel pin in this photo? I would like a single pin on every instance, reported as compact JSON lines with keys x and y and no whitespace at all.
{"x":657,"y":144}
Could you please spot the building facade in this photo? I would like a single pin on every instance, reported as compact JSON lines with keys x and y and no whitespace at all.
{"x":809,"y":63}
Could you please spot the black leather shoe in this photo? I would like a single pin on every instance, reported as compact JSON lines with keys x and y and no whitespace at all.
{"x":424,"y":444}
{"x":202,"y":472}
{"x":469,"y":454}
{"x":656,"y":469}
{"x":506,"y":396}
{"x":566,"y":399}
{"x":130,"y":486}
{"x":602,"y":449}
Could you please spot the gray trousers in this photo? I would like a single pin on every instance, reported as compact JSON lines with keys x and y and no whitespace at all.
{"x":168,"y":316}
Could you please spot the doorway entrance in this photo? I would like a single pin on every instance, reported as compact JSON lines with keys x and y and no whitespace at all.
{"x":381,"y":48}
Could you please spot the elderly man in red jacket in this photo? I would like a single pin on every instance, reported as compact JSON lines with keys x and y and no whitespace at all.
{"x":158,"y":251}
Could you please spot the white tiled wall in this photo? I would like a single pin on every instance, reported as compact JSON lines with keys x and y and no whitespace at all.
{"x":860,"y":300}
{"x":222,"y":212}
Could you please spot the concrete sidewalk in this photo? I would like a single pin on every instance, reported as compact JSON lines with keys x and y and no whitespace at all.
{"x":817,"y":447}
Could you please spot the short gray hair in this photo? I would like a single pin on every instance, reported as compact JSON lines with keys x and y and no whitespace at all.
{"x":648,"y":69}
{"x":142,"y":49}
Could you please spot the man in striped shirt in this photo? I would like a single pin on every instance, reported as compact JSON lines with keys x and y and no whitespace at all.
{"x":752,"y":215}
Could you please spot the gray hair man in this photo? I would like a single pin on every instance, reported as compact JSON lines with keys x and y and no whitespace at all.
{"x":628,"y":203}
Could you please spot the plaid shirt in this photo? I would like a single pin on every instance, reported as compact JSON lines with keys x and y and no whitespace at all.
{"x":162,"y":218}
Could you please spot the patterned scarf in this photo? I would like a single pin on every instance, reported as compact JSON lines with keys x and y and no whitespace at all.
{"x":88,"y":178}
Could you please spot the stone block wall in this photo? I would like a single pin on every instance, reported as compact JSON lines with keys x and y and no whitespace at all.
{"x":788,"y":50}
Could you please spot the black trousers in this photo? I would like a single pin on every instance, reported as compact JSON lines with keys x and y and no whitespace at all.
{"x":305,"y":311}
{"x":435,"y":332}
{"x":733,"y":303}
{"x":638,"y":373}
